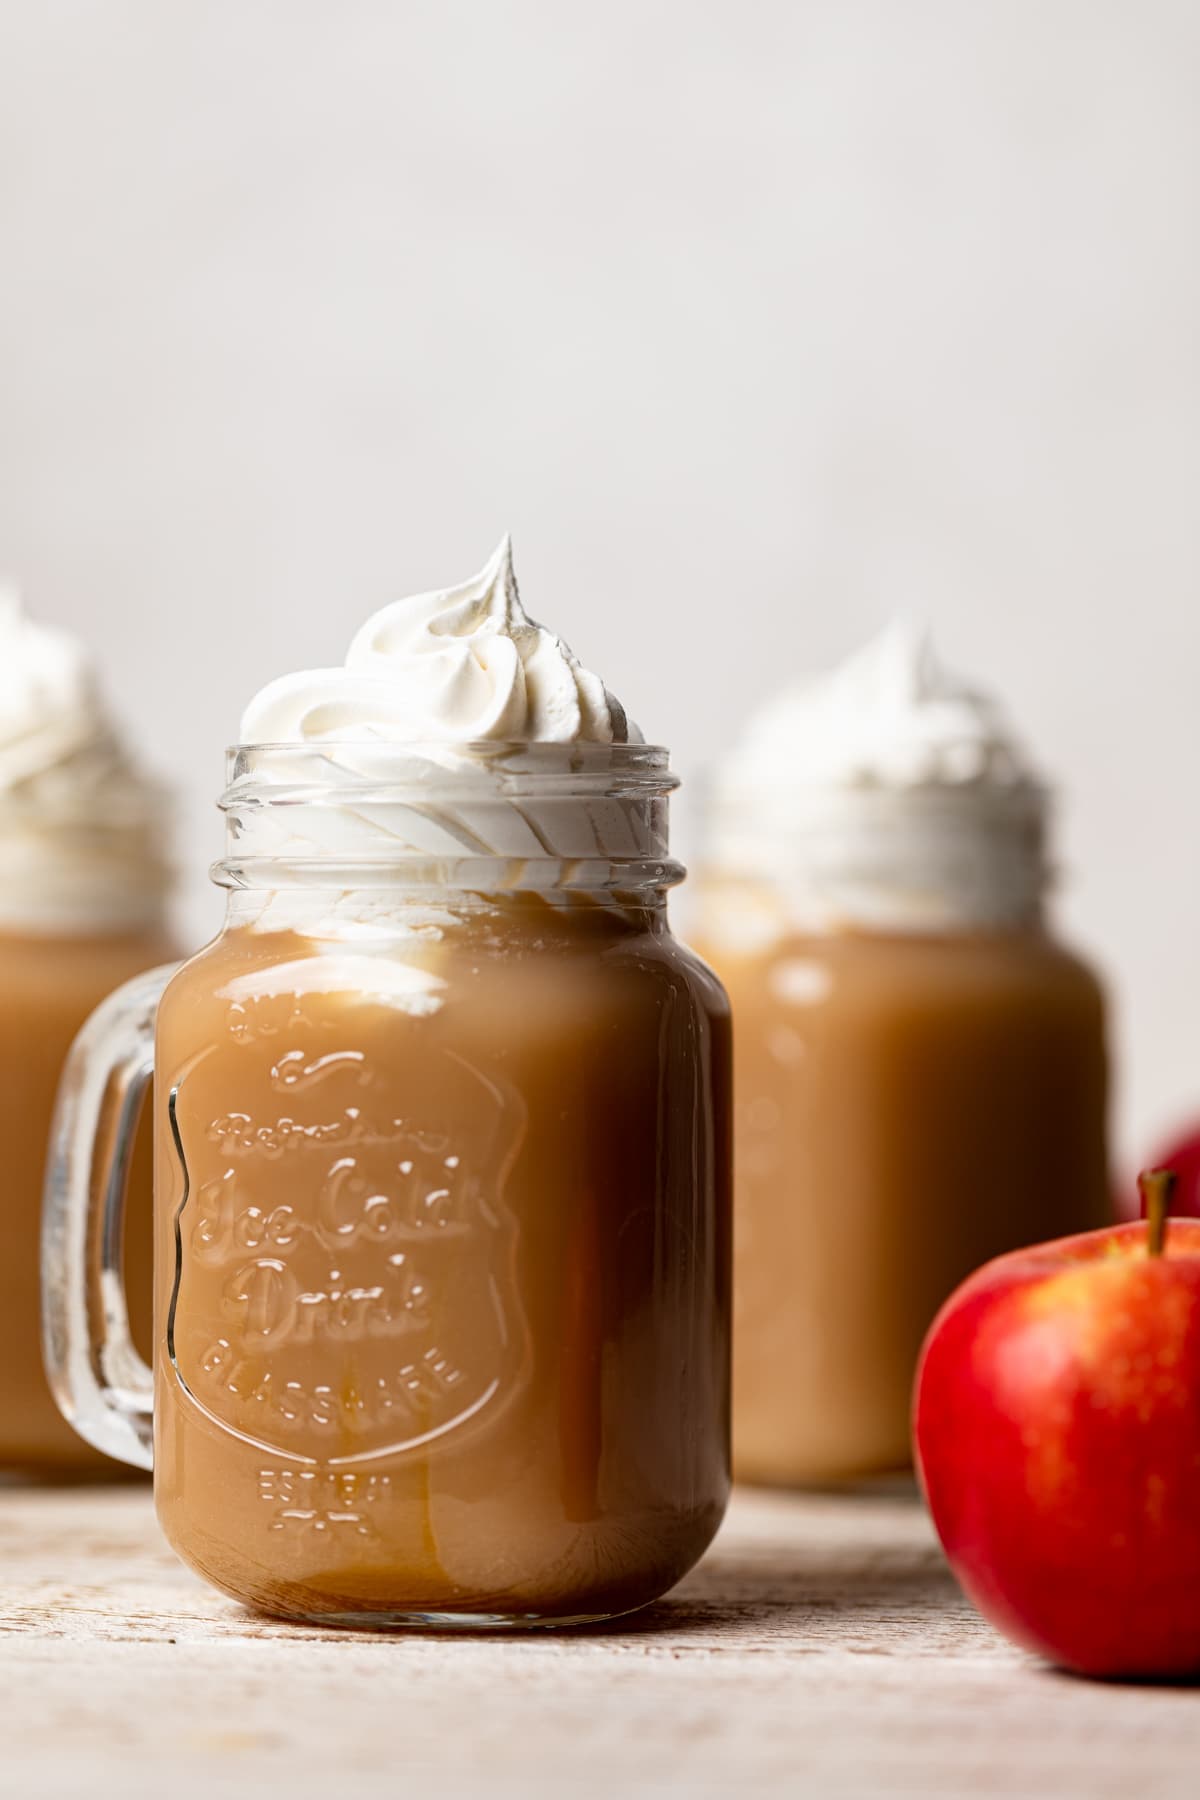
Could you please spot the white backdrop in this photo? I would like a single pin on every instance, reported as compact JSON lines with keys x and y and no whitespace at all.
{"x":755,"y":322}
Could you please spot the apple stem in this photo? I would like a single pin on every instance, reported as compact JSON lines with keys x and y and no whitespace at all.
{"x":1156,"y":1186}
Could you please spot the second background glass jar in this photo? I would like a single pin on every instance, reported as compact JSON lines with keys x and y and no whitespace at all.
{"x":920,"y":1085}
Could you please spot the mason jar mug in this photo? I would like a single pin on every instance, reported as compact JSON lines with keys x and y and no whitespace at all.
{"x":442,"y":1178}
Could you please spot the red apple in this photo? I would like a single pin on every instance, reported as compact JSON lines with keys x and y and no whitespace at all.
{"x":1057,"y":1437}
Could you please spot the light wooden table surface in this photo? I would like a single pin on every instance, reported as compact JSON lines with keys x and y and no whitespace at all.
{"x":820,"y":1649}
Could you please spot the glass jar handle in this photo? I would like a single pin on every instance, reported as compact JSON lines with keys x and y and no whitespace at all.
{"x":102,"y":1385}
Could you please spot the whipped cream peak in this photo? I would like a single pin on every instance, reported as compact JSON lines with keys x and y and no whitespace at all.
{"x":889,"y":794}
{"x":891,"y":715}
{"x":458,"y":665}
{"x":49,"y":704}
{"x":80,"y":825}
{"x":458,"y":731}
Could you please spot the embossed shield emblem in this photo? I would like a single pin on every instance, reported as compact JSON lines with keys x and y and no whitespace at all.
{"x":345,"y":1287}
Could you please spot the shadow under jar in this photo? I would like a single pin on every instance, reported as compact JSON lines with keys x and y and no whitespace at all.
{"x":442,"y":1171}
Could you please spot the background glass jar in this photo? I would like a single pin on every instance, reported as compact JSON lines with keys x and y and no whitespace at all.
{"x":442,"y":1168}
{"x":920,"y":1081}
{"x":82,"y":908}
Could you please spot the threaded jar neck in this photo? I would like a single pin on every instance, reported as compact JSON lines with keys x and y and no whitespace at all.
{"x":490,"y":817}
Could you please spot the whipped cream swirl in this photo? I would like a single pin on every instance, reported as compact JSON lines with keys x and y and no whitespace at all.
{"x":461,"y":665}
{"x":891,"y":716}
{"x":458,"y":730}
{"x":888,"y":792}
{"x":80,"y":825}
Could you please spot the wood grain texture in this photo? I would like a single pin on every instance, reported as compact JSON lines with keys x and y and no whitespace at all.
{"x":821,"y":1649}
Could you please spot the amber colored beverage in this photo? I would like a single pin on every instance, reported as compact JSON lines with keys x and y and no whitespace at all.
{"x":442,"y":1265}
{"x":48,"y":986}
{"x":907,"y":1106}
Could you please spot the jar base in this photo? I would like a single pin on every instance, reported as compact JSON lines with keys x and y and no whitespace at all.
{"x":897,"y":1481}
{"x":462,"y":1624}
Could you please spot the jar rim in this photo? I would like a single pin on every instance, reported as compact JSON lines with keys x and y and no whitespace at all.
{"x":374,"y":768}
{"x":586,"y":749}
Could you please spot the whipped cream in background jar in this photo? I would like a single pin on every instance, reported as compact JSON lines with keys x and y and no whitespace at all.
{"x":920,"y":1068}
{"x":443,"y":1146}
{"x":83,"y":887}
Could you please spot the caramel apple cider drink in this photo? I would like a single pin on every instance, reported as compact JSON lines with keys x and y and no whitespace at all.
{"x":920,"y":1066}
{"x":82,"y":895}
{"x":443,"y":1154}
